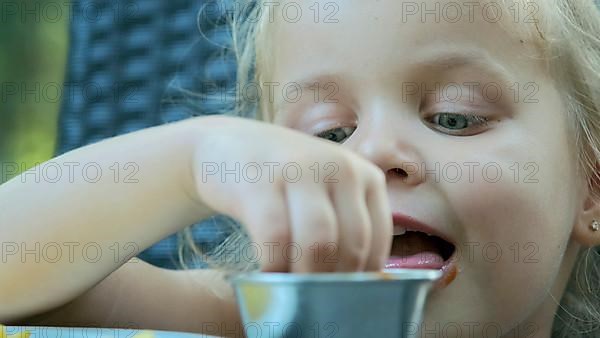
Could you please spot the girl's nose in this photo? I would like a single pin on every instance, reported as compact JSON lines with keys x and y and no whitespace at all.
{"x":395,"y":155}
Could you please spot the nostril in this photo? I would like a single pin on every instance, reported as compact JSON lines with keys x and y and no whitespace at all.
{"x":398,"y":171}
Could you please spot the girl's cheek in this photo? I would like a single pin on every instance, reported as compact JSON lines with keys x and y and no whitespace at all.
{"x":515,"y":233}
{"x":510,"y":209}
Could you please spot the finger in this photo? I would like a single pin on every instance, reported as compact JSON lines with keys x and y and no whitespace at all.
{"x":267,"y":222}
{"x":381,"y":217}
{"x":354,"y":226}
{"x":313,"y":226}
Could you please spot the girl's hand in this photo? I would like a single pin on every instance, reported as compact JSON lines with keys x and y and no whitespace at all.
{"x":308,"y":204}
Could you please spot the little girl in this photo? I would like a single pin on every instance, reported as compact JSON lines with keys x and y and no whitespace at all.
{"x":461,"y":136}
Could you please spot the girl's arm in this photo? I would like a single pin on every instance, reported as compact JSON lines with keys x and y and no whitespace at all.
{"x":139,"y":295}
{"x":94,"y":221}
{"x":62,"y":234}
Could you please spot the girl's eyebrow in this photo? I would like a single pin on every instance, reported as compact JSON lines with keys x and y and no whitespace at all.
{"x":432,"y":60}
{"x":467,"y":58}
{"x":314,"y":82}
{"x":326,"y":82}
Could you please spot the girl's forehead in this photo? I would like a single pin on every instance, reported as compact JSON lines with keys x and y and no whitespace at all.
{"x":517,"y":17}
{"x":375,"y":36}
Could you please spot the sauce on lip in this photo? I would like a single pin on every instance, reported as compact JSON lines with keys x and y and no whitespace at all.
{"x":449,"y":275}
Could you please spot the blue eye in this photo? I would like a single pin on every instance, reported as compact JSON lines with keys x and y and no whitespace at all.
{"x":458,"y":122}
{"x":337,"y":135}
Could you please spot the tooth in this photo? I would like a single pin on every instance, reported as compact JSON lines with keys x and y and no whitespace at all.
{"x":399,"y":230}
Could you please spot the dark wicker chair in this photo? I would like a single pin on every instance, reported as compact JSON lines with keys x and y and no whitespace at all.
{"x":131,"y":65}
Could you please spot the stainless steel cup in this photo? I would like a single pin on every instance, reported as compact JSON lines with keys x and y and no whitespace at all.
{"x":361,"y":304}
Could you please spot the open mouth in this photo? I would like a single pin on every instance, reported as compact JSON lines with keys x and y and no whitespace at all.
{"x":419,"y":250}
{"x":417,"y":245}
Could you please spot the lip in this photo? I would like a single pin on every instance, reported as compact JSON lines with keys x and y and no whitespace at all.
{"x":412,"y":224}
{"x":450,"y":267}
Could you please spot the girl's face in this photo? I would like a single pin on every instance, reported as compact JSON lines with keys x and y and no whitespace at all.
{"x":397,"y":87}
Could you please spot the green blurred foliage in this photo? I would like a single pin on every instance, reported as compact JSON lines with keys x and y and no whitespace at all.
{"x":33,"y":51}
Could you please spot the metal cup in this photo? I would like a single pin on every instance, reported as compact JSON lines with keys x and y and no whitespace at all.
{"x":359,"y":304}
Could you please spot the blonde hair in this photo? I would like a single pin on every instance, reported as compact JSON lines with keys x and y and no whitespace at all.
{"x":567,"y":33}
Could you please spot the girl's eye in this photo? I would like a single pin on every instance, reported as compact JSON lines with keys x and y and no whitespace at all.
{"x":337,"y":135}
{"x":457,"y":124}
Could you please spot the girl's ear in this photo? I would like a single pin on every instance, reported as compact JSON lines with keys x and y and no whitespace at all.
{"x":586,"y":231}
